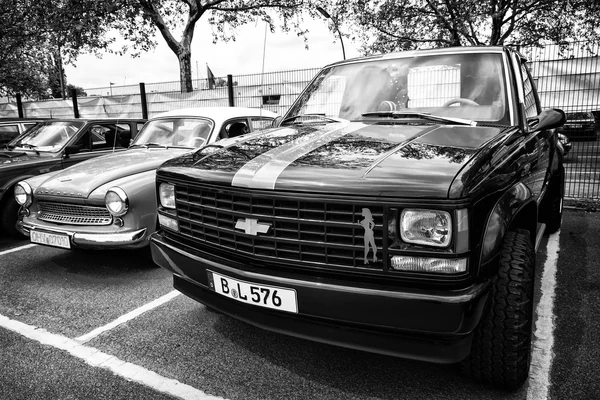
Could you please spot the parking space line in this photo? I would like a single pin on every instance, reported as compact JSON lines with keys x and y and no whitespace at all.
{"x":27,"y":246}
{"x":127,"y":317}
{"x":98,"y":359}
{"x":543,"y":341}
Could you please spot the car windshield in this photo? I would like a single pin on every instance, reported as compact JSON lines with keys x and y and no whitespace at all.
{"x":451,"y":86}
{"x":47,"y":136}
{"x":175,"y":132}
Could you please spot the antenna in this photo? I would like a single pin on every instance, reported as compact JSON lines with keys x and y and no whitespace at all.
{"x":262,"y":73}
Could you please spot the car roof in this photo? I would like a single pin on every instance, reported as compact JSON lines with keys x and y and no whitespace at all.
{"x":427,"y":52}
{"x":218,"y":113}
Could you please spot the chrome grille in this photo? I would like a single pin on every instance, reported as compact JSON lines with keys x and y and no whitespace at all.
{"x":73,"y":214}
{"x":321,"y":233}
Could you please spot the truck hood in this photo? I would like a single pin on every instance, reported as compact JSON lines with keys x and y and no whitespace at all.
{"x":379,"y":159}
{"x":83,"y":178}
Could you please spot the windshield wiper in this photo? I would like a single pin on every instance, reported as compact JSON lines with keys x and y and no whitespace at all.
{"x":321,"y":117}
{"x":29,"y":146}
{"x":426,"y":116}
{"x":146,"y":145}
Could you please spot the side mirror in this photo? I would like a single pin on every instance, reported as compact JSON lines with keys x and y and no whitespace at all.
{"x":71,"y":149}
{"x":548,"y":119}
{"x":276,"y":122}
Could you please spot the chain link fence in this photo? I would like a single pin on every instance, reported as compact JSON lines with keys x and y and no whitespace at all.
{"x":567,"y":77}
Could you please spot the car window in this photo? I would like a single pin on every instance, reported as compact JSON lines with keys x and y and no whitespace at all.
{"x":175,"y":131}
{"x":530,"y":104}
{"x":260,"y":123}
{"x":106,"y":136}
{"x":12,"y":129}
{"x":233,"y":128}
{"x":48,"y":136}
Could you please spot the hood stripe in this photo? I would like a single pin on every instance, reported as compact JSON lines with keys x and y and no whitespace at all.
{"x":262,"y":172}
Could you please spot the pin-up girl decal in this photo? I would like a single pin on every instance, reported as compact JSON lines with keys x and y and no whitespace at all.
{"x":368,"y":224}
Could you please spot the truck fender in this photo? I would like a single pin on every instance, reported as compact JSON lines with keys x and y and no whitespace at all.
{"x":515,"y":209}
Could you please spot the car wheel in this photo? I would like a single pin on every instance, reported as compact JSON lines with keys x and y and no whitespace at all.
{"x":500,"y":352}
{"x":8,"y":218}
{"x":553,"y":203}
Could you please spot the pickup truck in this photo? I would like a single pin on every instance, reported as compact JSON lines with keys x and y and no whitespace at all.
{"x":397,"y":208}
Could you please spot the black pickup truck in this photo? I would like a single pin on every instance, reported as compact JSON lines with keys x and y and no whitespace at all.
{"x":396,"y":209}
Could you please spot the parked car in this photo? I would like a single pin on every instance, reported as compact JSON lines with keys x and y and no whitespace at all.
{"x":10,"y":128}
{"x":53,"y":145}
{"x":397,"y":209}
{"x":110,"y":202}
{"x":581,"y":125}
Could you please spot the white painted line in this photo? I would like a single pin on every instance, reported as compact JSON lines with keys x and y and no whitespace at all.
{"x":129,"y":316}
{"x":543,"y":341}
{"x":27,"y":246}
{"x":98,"y":359}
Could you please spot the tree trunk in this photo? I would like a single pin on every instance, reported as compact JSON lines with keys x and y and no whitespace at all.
{"x":185,"y":69}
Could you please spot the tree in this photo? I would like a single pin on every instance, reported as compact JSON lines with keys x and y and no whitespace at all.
{"x":391,"y":25}
{"x":36,"y":34}
{"x":169,"y":16}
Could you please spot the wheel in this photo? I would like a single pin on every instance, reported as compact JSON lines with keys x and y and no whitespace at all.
{"x":501,"y":348}
{"x":461,"y":101}
{"x":8,"y":218}
{"x":553,"y":203}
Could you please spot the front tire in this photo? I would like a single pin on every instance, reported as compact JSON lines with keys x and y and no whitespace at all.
{"x":8,"y":218}
{"x":501,"y":349}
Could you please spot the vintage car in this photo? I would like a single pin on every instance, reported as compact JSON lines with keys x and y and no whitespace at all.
{"x":110,"y":202}
{"x":397,"y":209}
{"x":53,"y":145}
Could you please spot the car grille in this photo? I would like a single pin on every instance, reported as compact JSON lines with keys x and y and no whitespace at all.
{"x":73,"y":214}
{"x":311,"y":232}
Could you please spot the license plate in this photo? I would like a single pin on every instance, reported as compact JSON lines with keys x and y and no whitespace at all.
{"x":50,"y":239}
{"x":273,"y":297}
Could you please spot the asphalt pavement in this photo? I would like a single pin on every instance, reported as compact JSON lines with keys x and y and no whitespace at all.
{"x":155,"y":344}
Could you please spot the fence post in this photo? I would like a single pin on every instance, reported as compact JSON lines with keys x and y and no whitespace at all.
{"x":143,"y":100}
{"x":230,"y":89}
{"x":74,"y":97}
{"x":19,"y":105}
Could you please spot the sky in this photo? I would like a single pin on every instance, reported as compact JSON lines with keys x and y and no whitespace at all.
{"x":243,"y":56}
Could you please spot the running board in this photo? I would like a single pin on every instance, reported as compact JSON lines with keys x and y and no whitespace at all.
{"x":541,"y":228}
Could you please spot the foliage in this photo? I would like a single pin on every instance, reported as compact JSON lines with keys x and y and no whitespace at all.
{"x":139,"y":19}
{"x":391,"y":25}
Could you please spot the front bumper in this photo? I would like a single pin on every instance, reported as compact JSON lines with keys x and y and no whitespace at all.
{"x":83,"y":237}
{"x":433,"y":326}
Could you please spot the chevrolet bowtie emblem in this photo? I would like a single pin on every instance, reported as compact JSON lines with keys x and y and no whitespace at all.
{"x":251,"y":226}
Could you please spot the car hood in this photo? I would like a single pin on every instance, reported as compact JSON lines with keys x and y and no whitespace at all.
{"x":9,"y":157}
{"x":382,"y":159}
{"x":82,"y":178}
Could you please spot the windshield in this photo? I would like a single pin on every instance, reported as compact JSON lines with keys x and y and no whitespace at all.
{"x":466,"y":86}
{"x":175,"y":131}
{"x":47,"y":136}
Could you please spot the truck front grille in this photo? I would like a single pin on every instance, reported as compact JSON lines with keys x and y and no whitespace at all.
{"x":73,"y":214}
{"x":319,"y":233}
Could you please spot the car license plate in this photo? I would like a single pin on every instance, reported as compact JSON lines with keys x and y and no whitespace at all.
{"x":273,"y":297}
{"x":50,"y":239}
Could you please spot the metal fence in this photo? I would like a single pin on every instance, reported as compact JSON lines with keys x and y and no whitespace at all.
{"x":566,"y":77}
{"x":569,"y":79}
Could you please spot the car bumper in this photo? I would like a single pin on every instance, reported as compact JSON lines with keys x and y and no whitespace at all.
{"x":429,"y":326}
{"x":88,"y":239}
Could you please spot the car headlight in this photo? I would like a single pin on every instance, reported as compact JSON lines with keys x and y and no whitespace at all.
{"x":166,"y":194}
{"x":426,"y":227}
{"x":23,"y":194}
{"x":116,"y":201}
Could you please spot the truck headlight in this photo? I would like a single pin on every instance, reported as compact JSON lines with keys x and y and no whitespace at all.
{"x":166,"y":194}
{"x":426,"y":227}
{"x":23,"y":194}
{"x":116,"y":201}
